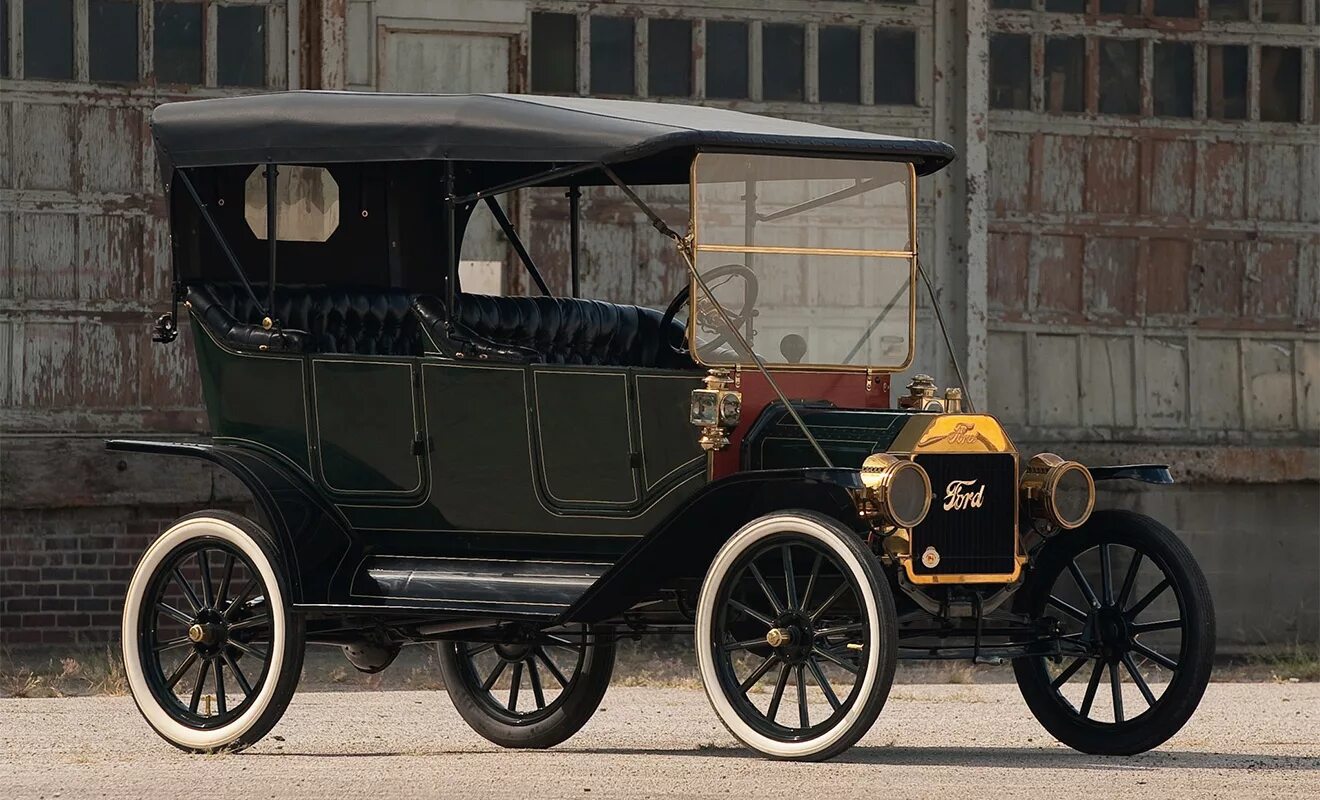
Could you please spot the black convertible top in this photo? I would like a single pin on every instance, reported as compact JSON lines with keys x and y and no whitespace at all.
{"x":652,"y":142}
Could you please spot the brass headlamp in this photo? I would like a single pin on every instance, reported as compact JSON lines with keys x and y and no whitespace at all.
{"x":716,"y":409}
{"x":898,"y":490}
{"x":1056,"y":491}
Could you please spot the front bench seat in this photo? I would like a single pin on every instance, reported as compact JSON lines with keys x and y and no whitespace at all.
{"x":313,"y":319}
{"x":555,"y":330}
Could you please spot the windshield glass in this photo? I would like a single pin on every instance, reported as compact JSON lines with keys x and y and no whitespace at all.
{"x":812,"y":259}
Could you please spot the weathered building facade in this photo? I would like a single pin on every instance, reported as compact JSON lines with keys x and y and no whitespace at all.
{"x":1127,"y":251}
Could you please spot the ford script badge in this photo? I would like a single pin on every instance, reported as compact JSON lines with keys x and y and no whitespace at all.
{"x":962,"y":495}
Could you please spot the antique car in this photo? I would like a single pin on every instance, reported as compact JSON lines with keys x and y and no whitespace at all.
{"x":523,"y":481}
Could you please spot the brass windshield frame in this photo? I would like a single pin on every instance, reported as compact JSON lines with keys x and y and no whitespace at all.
{"x":910,"y":255}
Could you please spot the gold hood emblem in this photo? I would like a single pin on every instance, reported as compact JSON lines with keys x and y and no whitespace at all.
{"x":962,"y":433}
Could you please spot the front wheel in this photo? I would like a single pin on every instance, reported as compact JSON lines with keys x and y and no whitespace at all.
{"x":1127,"y":595}
{"x":796,"y":636}
{"x":212,"y":650}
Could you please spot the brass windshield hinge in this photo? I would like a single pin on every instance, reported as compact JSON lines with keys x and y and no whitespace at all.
{"x":870,"y":379}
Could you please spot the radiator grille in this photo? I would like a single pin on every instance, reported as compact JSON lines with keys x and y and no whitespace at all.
{"x":969,"y":540}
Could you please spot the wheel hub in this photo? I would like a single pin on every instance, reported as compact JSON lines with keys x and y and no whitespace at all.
{"x":1111,"y":631}
{"x":791,"y":637}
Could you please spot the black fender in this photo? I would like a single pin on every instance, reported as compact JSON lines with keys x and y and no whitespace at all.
{"x":682,"y":547}
{"x":1146,"y":473}
{"x":313,"y":535}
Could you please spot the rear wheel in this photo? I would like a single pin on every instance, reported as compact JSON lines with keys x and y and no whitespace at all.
{"x":529,"y":689}
{"x":212,"y":651}
{"x":1126,"y":590}
{"x":796,"y":636}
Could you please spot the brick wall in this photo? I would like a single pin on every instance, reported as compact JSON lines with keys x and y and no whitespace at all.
{"x":64,"y":572}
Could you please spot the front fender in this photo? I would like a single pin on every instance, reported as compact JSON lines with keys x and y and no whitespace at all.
{"x":683,"y":546}
{"x":313,"y":535}
{"x":1146,"y":473}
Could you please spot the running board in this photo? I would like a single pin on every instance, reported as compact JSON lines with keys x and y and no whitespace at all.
{"x":520,"y":588}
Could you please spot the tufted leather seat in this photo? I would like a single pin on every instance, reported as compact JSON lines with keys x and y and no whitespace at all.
{"x":313,"y":319}
{"x":564,"y":330}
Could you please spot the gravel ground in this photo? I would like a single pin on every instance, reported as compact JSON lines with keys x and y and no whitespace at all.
{"x":975,"y":741}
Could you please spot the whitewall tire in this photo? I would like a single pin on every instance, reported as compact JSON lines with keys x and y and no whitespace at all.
{"x":212,"y":650}
{"x":796,"y":636}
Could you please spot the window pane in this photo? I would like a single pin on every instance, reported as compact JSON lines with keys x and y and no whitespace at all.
{"x":726,"y":59}
{"x":1281,"y":10}
{"x":1010,"y":70}
{"x":1067,"y":6}
{"x":840,"y":75}
{"x":307,"y":200}
{"x":782,"y":72}
{"x":554,"y":53}
{"x":1227,"y":92}
{"x":1280,"y":84}
{"x":112,"y":39}
{"x":48,"y":40}
{"x":241,"y":45}
{"x":1120,"y":6}
{"x":895,"y":67}
{"x":669,"y":57}
{"x":1175,"y":72}
{"x":1228,"y":9}
{"x":1175,"y":8}
{"x":1065,"y":75}
{"x":4,"y":38}
{"x":612,"y":55}
{"x":1120,"y":76}
{"x":1022,"y":4}
{"x":178,"y":42}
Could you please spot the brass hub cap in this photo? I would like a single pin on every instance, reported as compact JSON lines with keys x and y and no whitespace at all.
{"x":778,"y":637}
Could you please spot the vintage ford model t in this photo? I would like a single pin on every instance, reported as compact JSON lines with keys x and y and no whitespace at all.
{"x":524,"y":480}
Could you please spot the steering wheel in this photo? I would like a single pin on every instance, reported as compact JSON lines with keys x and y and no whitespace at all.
{"x":704,"y":312}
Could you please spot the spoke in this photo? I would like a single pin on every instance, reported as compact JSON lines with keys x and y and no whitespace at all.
{"x":180,"y":671}
{"x":838,"y":629}
{"x":765,"y":587}
{"x":187,"y":591}
{"x":241,"y":599}
{"x":251,"y":622}
{"x":173,"y":643}
{"x":759,"y":672}
{"x":479,"y":649}
{"x":823,"y":683}
{"x":550,"y":665}
{"x":1069,"y":672}
{"x":197,"y":688}
{"x":174,"y":613}
{"x":220,"y":688}
{"x":226,"y":576}
{"x":1158,"y":658}
{"x":1116,"y":689}
{"x":204,"y":565}
{"x":843,"y":587}
{"x":790,"y":580}
{"x":1090,"y":689}
{"x":495,"y":674}
{"x":756,"y":615}
{"x":1148,"y":599}
{"x":534,"y":678}
{"x":1067,"y":608}
{"x":515,"y":683}
{"x":1131,"y":580}
{"x":248,"y":649}
{"x":811,"y":581}
{"x":745,"y":644}
{"x":562,"y":642}
{"x":828,"y":656}
{"x":238,"y":673}
{"x":1083,"y":584}
{"x":804,"y":716}
{"x":1151,"y":627}
{"x":773,"y":710}
{"x":1106,"y":575}
{"x":1138,"y":680}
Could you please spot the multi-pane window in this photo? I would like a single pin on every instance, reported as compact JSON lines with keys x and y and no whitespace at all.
{"x":48,"y":40}
{"x":895,"y":66}
{"x":1010,"y":71}
{"x":1280,"y":84}
{"x":554,"y":53}
{"x":178,"y":43}
{"x":1175,"y":74}
{"x":1066,"y":6}
{"x":840,"y":65}
{"x":726,"y":59}
{"x":1065,"y":74}
{"x":612,"y":55}
{"x":1226,"y":81}
{"x":112,"y":41}
{"x":1229,"y":9}
{"x":241,"y":46}
{"x":1127,"y":7}
{"x":1175,"y":8}
{"x":1281,"y":10}
{"x":783,"y":50}
{"x":669,"y":58}
{"x":1120,"y":76}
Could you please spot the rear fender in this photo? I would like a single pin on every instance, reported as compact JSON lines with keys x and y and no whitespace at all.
{"x":682,"y":547}
{"x":314,"y":536}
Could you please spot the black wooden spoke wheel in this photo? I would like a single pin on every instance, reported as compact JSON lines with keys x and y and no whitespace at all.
{"x":796,"y":636}
{"x":528,"y":688}
{"x":211,"y":650}
{"x":1128,"y":592}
